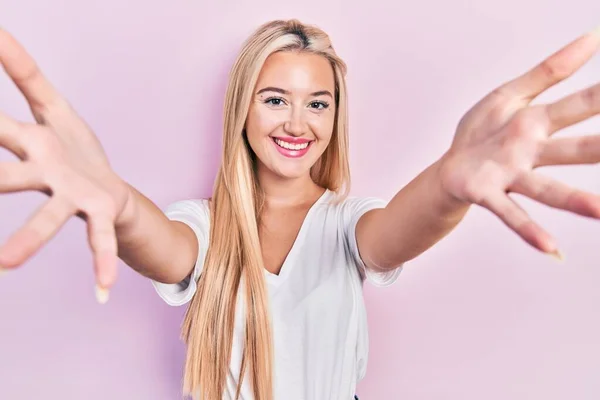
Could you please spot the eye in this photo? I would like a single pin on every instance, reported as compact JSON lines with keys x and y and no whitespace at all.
{"x":319,"y":105}
{"x":274,"y":101}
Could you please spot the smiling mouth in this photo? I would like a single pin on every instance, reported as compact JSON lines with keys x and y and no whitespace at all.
{"x":292,"y":150}
{"x":292,"y":146}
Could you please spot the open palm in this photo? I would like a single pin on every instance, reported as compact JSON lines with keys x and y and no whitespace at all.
{"x":502,"y":140}
{"x":60,"y":156}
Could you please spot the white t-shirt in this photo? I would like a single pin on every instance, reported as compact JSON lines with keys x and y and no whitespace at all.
{"x":318,"y":313}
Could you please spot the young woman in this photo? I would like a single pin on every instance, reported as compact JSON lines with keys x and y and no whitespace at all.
{"x":273,"y":264}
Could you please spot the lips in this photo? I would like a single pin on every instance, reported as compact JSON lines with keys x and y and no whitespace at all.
{"x":292,"y":147}
{"x":293,"y":140}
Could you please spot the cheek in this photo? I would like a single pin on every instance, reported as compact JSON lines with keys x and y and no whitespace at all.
{"x":260,"y":123}
{"x":322,"y":126}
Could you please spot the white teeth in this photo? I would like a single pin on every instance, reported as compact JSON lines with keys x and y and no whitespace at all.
{"x":291,"y":146}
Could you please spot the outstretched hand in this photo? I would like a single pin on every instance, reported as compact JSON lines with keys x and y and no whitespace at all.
{"x":502,"y":139}
{"x":59,"y":156}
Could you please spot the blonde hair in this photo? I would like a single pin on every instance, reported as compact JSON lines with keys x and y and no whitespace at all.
{"x":234,"y":254}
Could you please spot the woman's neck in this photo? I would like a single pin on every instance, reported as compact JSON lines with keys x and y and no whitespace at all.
{"x":281,"y":192}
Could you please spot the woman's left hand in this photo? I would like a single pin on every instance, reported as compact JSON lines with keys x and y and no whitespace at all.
{"x":502,"y":139}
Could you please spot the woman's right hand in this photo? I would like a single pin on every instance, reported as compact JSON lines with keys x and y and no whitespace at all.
{"x":60,"y":156}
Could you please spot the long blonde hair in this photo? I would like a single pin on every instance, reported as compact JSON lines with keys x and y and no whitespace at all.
{"x":234,"y":253}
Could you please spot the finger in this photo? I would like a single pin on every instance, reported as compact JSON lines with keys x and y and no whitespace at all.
{"x":10,"y":137}
{"x":24,"y":72}
{"x":556,"y":194}
{"x":556,"y":68}
{"x":574,"y":108}
{"x":103,"y":242}
{"x":519,"y":221}
{"x":36,"y":232}
{"x":570,"y":151}
{"x":19,"y":176}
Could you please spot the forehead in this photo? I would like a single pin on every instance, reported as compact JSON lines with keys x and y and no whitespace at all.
{"x":297,"y":72}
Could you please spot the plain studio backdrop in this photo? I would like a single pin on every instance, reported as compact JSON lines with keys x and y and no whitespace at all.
{"x":480,"y":316}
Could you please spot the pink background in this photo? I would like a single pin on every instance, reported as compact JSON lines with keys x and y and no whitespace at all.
{"x":480,"y":316}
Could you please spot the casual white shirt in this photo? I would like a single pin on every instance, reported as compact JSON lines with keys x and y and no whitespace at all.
{"x":318,"y":314}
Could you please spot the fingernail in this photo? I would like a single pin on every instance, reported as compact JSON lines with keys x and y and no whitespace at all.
{"x":101,"y":295}
{"x":557,"y":254}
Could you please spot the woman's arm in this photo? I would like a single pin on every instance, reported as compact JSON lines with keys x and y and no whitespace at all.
{"x":497,"y":146}
{"x":416,"y":218}
{"x":153,"y":245}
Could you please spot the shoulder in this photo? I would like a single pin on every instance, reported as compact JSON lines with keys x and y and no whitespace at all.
{"x":189,"y":204}
{"x":195,"y":212}
{"x":347,"y":210}
{"x":352,"y":206}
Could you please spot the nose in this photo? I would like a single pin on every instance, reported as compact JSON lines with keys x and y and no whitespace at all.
{"x":296,"y":124}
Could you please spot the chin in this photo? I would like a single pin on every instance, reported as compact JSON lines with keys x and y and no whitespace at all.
{"x":294,"y":167}
{"x":285,"y":172}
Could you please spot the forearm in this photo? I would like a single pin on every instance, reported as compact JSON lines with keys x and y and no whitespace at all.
{"x":153,"y":245}
{"x":415,"y":219}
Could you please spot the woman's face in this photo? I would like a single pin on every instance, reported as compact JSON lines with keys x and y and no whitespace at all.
{"x":292,"y":113}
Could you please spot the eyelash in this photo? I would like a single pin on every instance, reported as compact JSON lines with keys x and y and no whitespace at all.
{"x":323,"y":104}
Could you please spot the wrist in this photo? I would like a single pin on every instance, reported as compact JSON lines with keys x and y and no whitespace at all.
{"x":447,"y":201}
{"x":128,"y":210}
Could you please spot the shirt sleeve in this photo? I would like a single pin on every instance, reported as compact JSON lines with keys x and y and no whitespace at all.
{"x":196,"y":215}
{"x":354,"y":208}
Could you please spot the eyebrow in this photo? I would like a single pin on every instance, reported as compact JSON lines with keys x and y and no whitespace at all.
{"x":287,"y":92}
